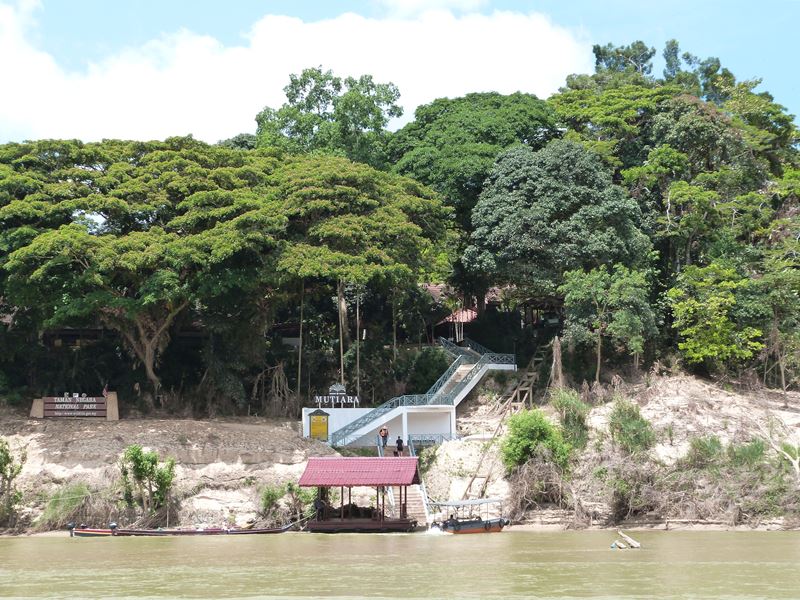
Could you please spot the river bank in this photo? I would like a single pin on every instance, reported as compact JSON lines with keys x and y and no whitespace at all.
{"x":222,"y":465}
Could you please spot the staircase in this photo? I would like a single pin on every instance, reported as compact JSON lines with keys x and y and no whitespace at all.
{"x":415,"y":505}
{"x":471,"y":362}
{"x":522,"y":395}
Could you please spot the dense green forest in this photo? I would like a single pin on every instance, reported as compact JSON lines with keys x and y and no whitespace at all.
{"x":658,"y":216}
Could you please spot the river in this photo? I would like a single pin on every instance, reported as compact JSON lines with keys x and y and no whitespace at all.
{"x":512,"y":564}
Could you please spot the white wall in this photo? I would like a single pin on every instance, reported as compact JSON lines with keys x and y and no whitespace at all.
{"x":430,"y":421}
{"x":339,"y":417}
{"x":419,"y":419}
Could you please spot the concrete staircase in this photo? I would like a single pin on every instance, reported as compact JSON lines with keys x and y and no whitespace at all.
{"x":415,"y":505}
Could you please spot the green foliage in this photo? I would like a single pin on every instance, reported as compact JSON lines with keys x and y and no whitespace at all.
{"x":704,"y":452}
{"x":547,"y":212}
{"x":146,"y":481}
{"x":10,"y":496}
{"x":612,"y":304}
{"x":573,"y":413}
{"x":452,"y":143}
{"x":271,"y":497}
{"x":629,"y":429}
{"x":64,"y":505}
{"x":428,"y":365}
{"x":325,"y":113}
{"x":528,"y":432}
{"x":702,"y":303}
{"x":747,"y":455}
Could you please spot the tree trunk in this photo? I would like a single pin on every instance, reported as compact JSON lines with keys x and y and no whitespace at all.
{"x":599,"y":351}
{"x":300,"y":349}
{"x":782,"y":368}
{"x":358,"y":343}
{"x":394,"y":327}
{"x":145,"y":336}
{"x":149,"y":362}
{"x":342,"y":322}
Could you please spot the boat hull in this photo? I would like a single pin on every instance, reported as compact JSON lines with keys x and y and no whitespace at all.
{"x":474,"y":526}
{"x":84,"y":532}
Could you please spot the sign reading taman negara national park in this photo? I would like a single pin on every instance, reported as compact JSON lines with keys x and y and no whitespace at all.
{"x":75,"y":405}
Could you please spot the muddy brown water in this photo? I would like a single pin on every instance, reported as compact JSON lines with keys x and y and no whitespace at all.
{"x":512,"y":564}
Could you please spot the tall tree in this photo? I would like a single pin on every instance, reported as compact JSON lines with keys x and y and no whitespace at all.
{"x":614,"y":304}
{"x":324,"y":112}
{"x":157,"y":229}
{"x":703,"y":303}
{"x":543,"y":213}
{"x":452,"y":145}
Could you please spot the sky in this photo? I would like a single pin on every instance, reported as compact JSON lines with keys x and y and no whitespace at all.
{"x":149,"y":69}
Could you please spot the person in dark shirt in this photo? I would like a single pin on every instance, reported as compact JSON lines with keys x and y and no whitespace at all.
{"x":399,"y":451}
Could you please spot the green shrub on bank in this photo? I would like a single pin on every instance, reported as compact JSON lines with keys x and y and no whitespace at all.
{"x":10,"y":496}
{"x":297,"y":500}
{"x":708,"y":451}
{"x":527,"y":432}
{"x":747,"y":455}
{"x":703,"y":452}
{"x":629,"y":429}
{"x":146,"y":481}
{"x":64,"y":506}
{"x":573,"y":413}
{"x":270,"y":497}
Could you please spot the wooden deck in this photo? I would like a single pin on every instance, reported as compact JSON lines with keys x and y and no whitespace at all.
{"x":361,"y":525}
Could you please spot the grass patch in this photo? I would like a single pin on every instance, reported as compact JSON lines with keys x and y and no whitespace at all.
{"x":629,"y":429}
{"x":64,"y":506}
{"x":573,"y":413}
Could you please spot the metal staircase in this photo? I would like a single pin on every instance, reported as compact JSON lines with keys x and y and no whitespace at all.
{"x":471,"y":362}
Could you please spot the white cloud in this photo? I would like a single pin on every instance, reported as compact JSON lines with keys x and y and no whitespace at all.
{"x":404,"y":8}
{"x":187,"y":83}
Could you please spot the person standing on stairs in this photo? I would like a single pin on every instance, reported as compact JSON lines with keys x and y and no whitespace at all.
{"x":399,"y":443}
{"x":384,"y":433}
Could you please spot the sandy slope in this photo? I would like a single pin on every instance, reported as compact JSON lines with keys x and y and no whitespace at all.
{"x":221,"y":463}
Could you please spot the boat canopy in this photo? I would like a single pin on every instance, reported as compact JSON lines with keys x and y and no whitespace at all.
{"x":473,"y":502}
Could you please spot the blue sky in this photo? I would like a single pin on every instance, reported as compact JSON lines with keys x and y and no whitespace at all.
{"x":150,"y":68}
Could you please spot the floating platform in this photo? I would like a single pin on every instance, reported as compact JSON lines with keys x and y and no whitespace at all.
{"x":361,"y":526}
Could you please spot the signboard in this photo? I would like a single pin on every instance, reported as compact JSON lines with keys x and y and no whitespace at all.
{"x":337,"y":394}
{"x":318,"y":424}
{"x":75,"y":405}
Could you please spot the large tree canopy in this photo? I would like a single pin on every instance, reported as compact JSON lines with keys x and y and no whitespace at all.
{"x":325,"y":113}
{"x":150,"y":230}
{"x":133,"y":235}
{"x":543,"y":213}
{"x":452,"y":143}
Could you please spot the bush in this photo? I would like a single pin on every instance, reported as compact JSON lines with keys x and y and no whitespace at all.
{"x":527,"y":432}
{"x":64,"y":506}
{"x":426,"y":368}
{"x":270,"y":497}
{"x":145,"y":481}
{"x":629,"y":429}
{"x":747,"y":455}
{"x":10,"y":497}
{"x":703,"y":452}
{"x":573,"y":412}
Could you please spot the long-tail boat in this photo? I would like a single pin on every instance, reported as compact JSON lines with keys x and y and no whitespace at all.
{"x":115,"y":531}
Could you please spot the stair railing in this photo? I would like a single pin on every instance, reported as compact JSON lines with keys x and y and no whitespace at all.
{"x":343,"y":436}
{"x":422,"y":491}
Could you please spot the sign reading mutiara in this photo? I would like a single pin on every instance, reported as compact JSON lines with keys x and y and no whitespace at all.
{"x":75,"y":405}
{"x":337,"y":394}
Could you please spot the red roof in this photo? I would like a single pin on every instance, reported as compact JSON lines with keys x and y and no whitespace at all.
{"x":462,"y":315}
{"x":359,"y":471}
